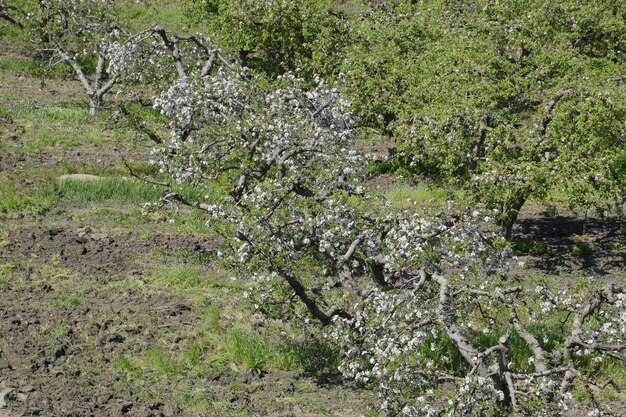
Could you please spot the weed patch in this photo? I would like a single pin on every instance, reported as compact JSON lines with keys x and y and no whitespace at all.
{"x":256,"y":352}
{"x":531,"y":247}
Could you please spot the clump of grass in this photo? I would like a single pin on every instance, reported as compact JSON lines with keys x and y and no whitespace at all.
{"x":618,"y":245}
{"x":127,"y":365}
{"x":66,"y":301}
{"x":183,"y":276}
{"x":35,"y":200}
{"x":130,"y":190}
{"x":75,"y":115}
{"x":5,"y":271}
{"x":583,"y":249}
{"x":116,"y":190}
{"x":256,"y":352}
{"x":157,"y":361}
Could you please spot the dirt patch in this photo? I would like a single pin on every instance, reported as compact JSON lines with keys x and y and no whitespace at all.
{"x":84,"y":250}
{"x":27,"y":89}
{"x":61,"y":359}
{"x":63,"y":362}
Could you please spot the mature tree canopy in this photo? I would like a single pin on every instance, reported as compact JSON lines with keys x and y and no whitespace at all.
{"x":276,"y":36}
{"x":512,"y":100}
{"x":412,"y":298}
{"x":509,"y":100}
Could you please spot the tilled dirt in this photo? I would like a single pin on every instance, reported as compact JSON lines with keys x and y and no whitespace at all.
{"x":87,"y":251}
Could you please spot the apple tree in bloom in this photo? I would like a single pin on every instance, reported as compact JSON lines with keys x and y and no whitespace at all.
{"x":420,"y":302}
{"x":161,"y":57}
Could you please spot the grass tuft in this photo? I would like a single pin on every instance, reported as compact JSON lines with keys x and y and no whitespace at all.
{"x":66,"y":301}
{"x":111,"y":190}
{"x":256,"y":352}
{"x":184,"y":277}
{"x":66,"y":114}
{"x":25,"y":201}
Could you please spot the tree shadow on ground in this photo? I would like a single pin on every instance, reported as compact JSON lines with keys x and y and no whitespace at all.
{"x":567,"y":243}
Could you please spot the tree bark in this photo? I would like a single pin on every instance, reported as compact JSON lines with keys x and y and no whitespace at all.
{"x":510,"y":213}
{"x":95,"y":104}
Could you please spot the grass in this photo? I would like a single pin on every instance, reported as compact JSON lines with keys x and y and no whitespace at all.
{"x":165,"y":13}
{"x":21,"y":65}
{"x":184,"y":276}
{"x":122,"y":216}
{"x":212,"y":348}
{"x":16,"y":200}
{"x":256,"y":352}
{"x":129,"y":190}
{"x":66,"y":301}
{"x":239,"y":349}
{"x":404,"y":196}
{"x":110,"y":190}
{"x":64,"y":113}
{"x":19,"y":201}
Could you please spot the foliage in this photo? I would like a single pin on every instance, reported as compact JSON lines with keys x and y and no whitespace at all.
{"x":510,"y":100}
{"x":276,"y":36}
{"x":11,"y":13}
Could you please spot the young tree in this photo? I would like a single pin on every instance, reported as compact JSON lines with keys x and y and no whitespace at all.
{"x":85,"y":35}
{"x":413,"y":298}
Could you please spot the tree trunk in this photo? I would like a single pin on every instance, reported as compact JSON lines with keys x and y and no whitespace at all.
{"x":509,"y":214}
{"x":95,"y":103}
{"x":324,"y":317}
